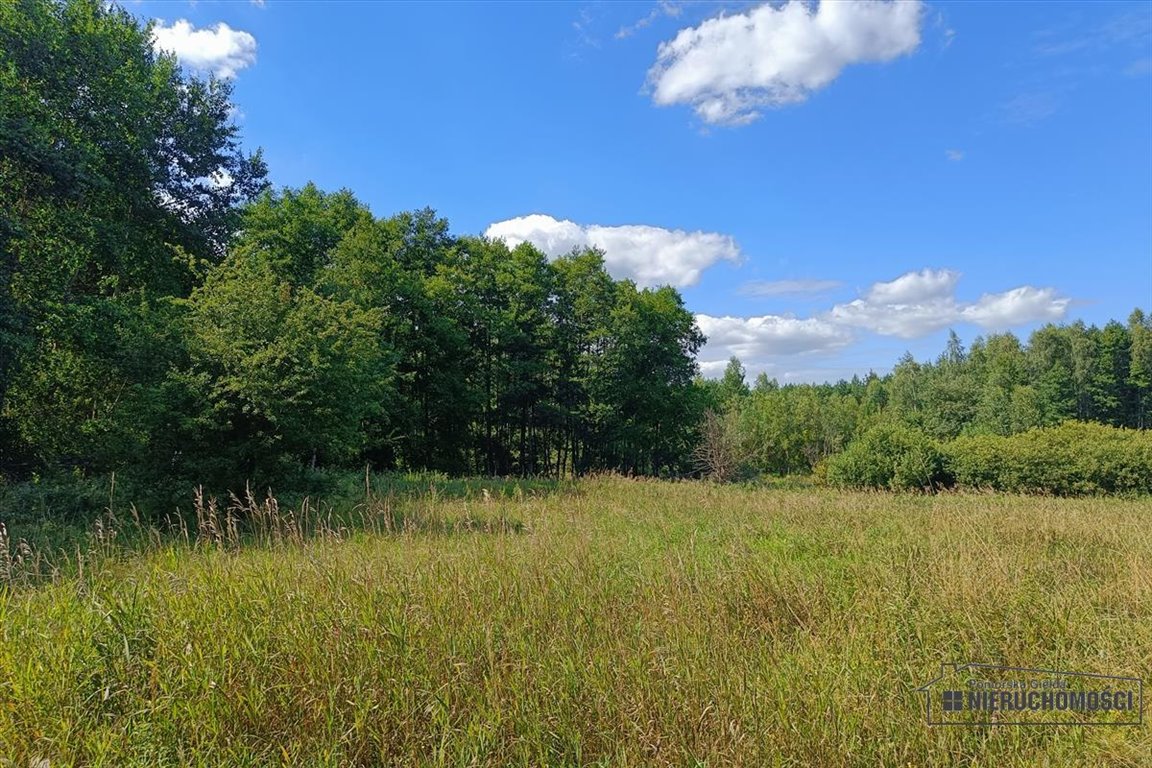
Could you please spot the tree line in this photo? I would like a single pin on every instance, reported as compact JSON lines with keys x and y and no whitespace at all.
{"x":1000,"y":386}
{"x":165,"y":313}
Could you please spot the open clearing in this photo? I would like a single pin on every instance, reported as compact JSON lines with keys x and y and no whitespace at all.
{"x":615,"y":623}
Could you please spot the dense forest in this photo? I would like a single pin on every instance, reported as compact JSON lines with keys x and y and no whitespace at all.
{"x":167,"y":315}
{"x":164,"y":313}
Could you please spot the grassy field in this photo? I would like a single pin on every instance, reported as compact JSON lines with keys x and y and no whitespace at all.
{"x":608,"y":623}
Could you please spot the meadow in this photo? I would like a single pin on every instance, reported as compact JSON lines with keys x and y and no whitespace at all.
{"x":602,"y":622}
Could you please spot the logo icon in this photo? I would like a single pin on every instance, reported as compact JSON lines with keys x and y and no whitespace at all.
{"x":993,"y":694}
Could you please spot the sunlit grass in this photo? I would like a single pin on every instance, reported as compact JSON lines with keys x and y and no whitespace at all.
{"x":614,"y":623}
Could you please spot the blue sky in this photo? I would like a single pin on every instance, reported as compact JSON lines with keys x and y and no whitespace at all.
{"x":828,"y":185}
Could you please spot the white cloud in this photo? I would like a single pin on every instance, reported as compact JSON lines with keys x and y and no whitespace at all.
{"x":913,"y":305}
{"x":788,"y":372}
{"x":787,"y":287}
{"x":550,"y":235}
{"x":999,"y":311}
{"x":731,"y":67}
{"x":955,"y":155}
{"x":904,"y":320}
{"x":918,"y":303}
{"x":221,"y":50}
{"x":756,"y":340}
{"x":915,"y":287}
{"x":648,"y":255}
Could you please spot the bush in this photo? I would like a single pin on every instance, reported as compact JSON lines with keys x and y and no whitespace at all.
{"x":720,"y":455}
{"x":1075,"y":458}
{"x":889,"y":456}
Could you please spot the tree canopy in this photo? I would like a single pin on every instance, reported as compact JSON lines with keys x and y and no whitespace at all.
{"x":999,"y":386}
{"x":164,"y":312}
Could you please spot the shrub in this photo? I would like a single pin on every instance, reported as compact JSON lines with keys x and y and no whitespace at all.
{"x":720,"y":455}
{"x":889,"y":456}
{"x":1074,"y":458}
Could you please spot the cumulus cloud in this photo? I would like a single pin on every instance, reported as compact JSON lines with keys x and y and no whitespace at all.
{"x":904,"y":320}
{"x":915,"y":287}
{"x":913,"y":305}
{"x":918,"y":303}
{"x":776,"y":343}
{"x":221,"y":50}
{"x":787,"y":287}
{"x":997,"y":311}
{"x":730,"y":67}
{"x":754,"y":339}
{"x":650,"y":256}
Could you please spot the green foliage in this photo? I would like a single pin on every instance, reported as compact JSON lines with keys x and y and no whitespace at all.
{"x":396,"y":266}
{"x":1003,"y":386}
{"x":56,"y":510}
{"x":1074,"y":458}
{"x":1140,"y":367}
{"x":732,"y":384}
{"x":998,"y":387}
{"x":1071,"y":459}
{"x":288,"y":374}
{"x":788,"y":430}
{"x":889,"y":456}
{"x":648,"y":413}
{"x":111,"y":163}
{"x":91,"y":393}
{"x":481,"y":358}
{"x":296,"y":231}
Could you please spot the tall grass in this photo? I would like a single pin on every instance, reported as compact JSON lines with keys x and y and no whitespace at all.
{"x":613,"y":623}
